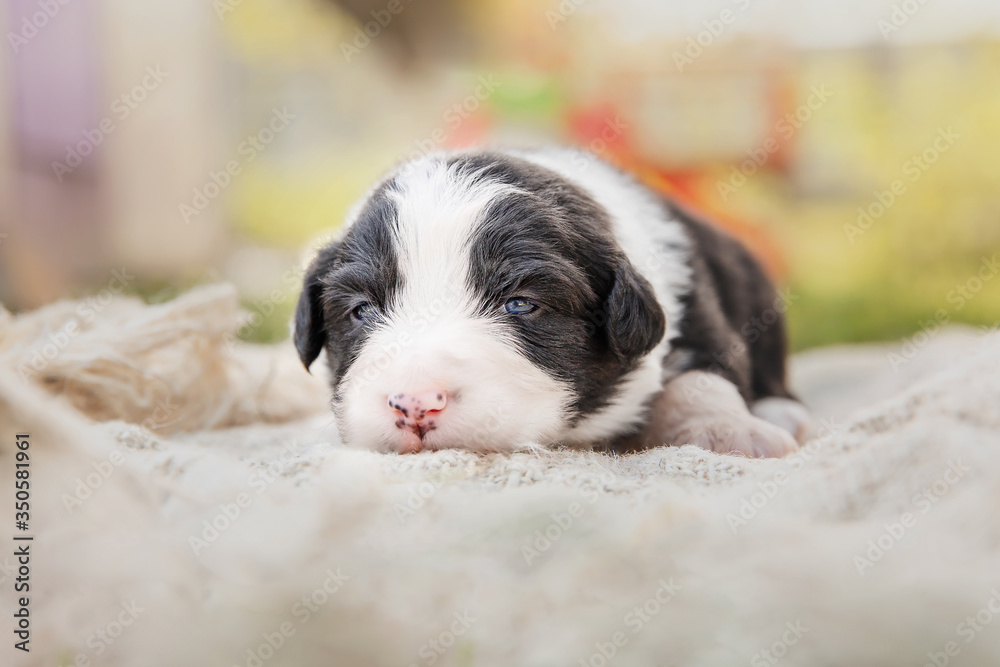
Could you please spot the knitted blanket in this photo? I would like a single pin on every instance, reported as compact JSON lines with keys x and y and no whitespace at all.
{"x":190,"y":504}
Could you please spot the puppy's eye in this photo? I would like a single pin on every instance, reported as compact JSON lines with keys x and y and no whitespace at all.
{"x":519,"y":306}
{"x":364,"y":313}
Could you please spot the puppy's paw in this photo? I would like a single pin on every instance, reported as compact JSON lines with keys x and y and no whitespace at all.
{"x":736,"y":433}
{"x":786,"y":413}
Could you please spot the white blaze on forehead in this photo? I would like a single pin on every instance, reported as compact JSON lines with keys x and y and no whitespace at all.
{"x":438,"y":209}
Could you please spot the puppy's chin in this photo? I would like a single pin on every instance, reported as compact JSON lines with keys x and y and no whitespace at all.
{"x":408,"y":442}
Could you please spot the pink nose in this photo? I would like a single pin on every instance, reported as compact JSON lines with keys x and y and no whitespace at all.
{"x":416,"y":410}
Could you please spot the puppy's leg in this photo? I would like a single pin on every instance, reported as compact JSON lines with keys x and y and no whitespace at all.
{"x":707,"y":410}
{"x":787,"y":413}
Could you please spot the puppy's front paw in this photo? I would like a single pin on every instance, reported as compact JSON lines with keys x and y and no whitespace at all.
{"x":786,"y":413}
{"x":748,"y":435}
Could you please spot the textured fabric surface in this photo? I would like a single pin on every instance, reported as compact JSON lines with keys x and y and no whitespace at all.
{"x":191,"y":506}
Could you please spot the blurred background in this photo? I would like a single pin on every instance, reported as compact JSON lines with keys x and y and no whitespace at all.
{"x":148,"y":147}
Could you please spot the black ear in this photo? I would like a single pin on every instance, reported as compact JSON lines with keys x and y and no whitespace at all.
{"x":636,"y":322}
{"x":310,"y":329}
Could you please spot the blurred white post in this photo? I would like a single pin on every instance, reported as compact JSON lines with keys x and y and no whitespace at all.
{"x":165,"y":53}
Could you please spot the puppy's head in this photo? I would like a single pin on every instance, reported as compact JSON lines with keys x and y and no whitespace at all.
{"x":475,"y":301}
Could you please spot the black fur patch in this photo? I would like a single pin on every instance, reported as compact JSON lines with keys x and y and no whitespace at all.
{"x":310,"y":326}
{"x":719,"y":331}
{"x":553,"y":244}
{"x":361,"y":268}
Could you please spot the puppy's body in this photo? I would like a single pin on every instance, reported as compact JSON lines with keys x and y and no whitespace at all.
{"x":488,"y":300}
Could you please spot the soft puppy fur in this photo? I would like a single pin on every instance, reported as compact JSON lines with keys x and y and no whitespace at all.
{"x":490,"y":300}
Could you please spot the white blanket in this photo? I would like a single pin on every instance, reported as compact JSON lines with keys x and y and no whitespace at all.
{"x":233,"y":528}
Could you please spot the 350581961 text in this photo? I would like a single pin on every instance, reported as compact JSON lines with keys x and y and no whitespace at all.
{"x":22,"y":542}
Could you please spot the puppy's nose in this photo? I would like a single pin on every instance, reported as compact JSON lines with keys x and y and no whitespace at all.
{"x":416,"y":407}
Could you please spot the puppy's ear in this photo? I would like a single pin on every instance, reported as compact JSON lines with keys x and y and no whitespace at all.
{"x":636,"y":322}
{"x":310,"y":329}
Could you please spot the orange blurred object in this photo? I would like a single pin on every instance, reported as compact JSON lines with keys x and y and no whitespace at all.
{"x":594,"y":128}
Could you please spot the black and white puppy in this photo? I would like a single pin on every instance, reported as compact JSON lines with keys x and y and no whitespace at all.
{"x":492,"y":300}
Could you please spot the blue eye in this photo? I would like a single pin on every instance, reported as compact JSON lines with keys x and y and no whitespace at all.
{"x":364,"y":313}
{"x":519,"y":306}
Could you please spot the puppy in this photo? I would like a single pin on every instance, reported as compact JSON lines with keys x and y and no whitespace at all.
{"x":489,"y":300}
